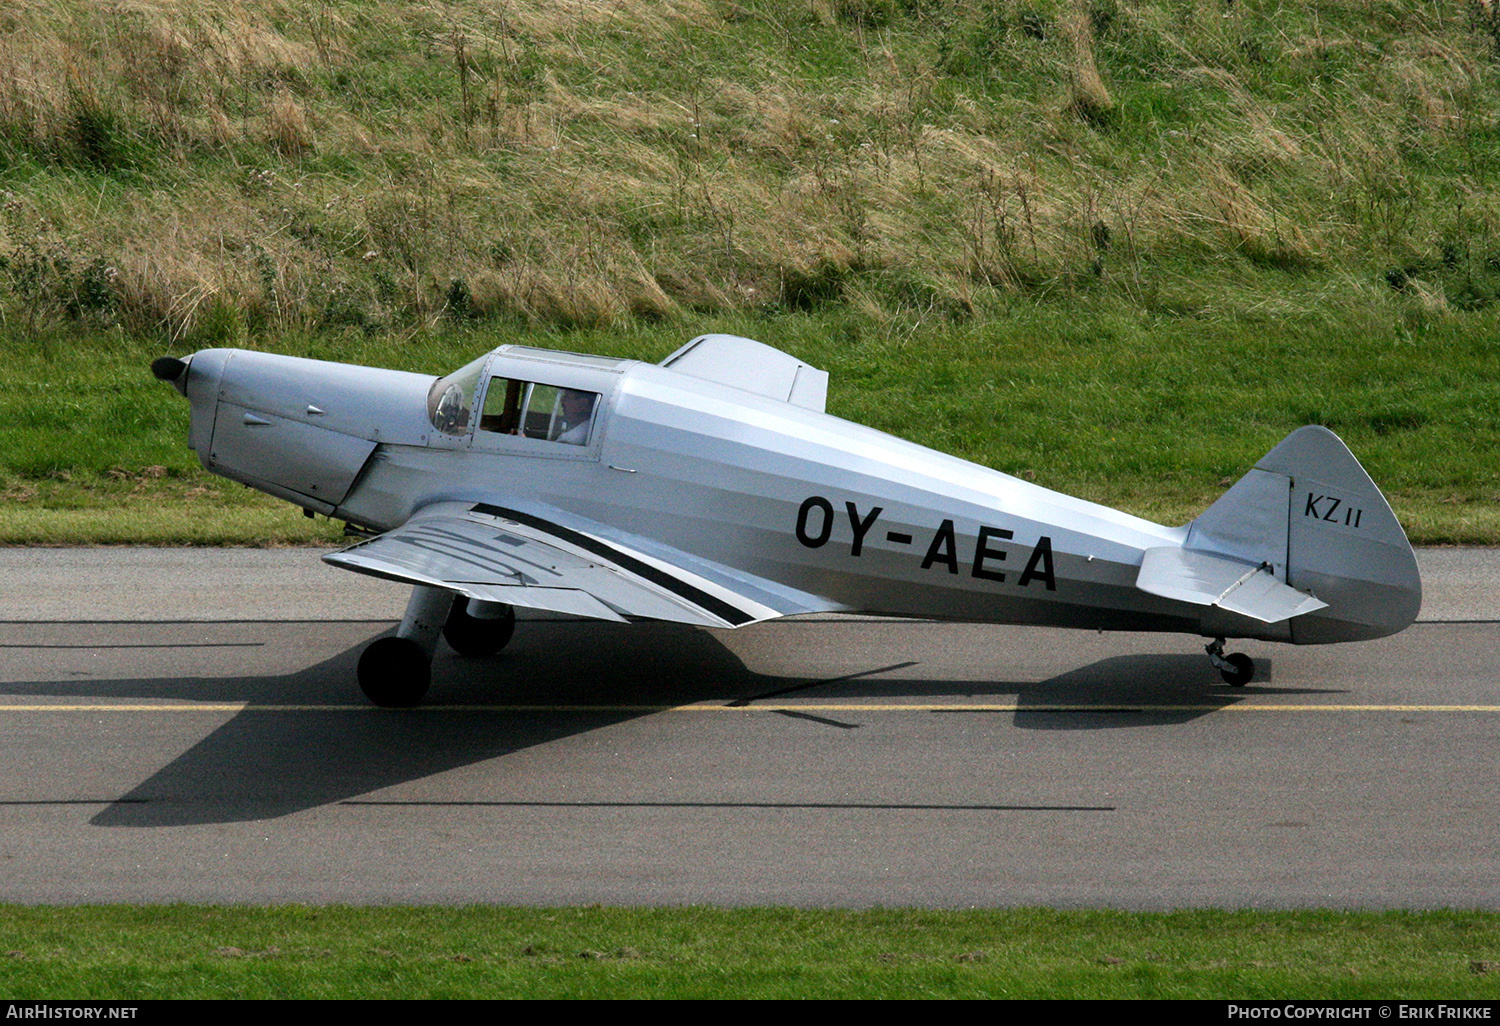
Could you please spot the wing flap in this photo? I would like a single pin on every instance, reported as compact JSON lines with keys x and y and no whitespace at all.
{"x":556,"y":600}
{"x":1208,"y":580}
{"x":501,"y":555}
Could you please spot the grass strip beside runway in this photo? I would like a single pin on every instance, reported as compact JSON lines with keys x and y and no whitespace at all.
{"x":151,"y":952}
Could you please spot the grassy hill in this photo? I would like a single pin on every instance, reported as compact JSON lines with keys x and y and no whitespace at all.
{"x":195,"y":164}
{"x":1118,"y":246}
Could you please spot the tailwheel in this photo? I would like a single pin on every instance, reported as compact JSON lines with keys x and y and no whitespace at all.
{"x":1237,"y":669}
{"x":394,"y":672}
{"x":479,"y":635}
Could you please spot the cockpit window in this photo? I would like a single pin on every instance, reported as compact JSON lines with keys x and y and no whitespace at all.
{"x":534,"y":410}
{"x":450,"y":401}
{"x":502,"y":406}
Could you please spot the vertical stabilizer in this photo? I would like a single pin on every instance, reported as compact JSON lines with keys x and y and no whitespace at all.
{"x":1310,"y":510}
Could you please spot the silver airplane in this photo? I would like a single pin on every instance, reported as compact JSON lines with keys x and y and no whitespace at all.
{"x":712,"y":489}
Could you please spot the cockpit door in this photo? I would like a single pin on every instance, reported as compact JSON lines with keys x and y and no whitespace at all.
{"x":534,"y":408}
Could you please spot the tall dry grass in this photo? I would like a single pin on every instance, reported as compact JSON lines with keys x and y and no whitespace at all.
{"x":232,"y":167}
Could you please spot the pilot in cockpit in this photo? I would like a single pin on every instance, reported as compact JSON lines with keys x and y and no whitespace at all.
{"x":577,"y":416}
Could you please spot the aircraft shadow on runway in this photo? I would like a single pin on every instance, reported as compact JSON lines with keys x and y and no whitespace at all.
{"x":266,"y":762}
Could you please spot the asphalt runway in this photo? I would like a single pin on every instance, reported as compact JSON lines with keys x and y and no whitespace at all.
{"x":183,"y":725}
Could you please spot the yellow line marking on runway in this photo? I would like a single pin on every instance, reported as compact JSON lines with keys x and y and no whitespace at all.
{"x":705,"y":707}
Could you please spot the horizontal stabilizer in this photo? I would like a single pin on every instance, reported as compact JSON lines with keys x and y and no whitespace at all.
{"x":1208,"y":580}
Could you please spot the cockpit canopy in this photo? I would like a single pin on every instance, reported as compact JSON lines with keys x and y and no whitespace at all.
{"x":512,"y":405}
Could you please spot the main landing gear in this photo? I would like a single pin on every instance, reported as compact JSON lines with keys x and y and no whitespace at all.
{"x":479,"y":628}
{"x":396,"y":672}
{"x":1237,"y":669}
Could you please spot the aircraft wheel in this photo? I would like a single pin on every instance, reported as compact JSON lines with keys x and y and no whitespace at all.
{"x":1241,"y":670}
{"x":475,"y":636}
{"x":394,"y":672}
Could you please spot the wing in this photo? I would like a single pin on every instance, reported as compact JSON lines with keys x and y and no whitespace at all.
{"x":496,"y":554}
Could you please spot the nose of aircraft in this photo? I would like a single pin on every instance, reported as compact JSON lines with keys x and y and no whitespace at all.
{"x":295,"y":428}
{"x":184,"y":373}
{"x":171,"y":369}
{"x":196,"y":378}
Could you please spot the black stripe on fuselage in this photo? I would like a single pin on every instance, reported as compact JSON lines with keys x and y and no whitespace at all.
{"x":717,"y":606}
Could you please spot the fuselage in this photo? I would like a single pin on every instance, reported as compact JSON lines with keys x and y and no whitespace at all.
{"x":679,"y":467}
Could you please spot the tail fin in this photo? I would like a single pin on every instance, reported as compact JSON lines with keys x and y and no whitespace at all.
{"x":1310,"y":511}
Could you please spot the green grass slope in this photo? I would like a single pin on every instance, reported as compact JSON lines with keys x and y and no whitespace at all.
{"x":1121,"y":248}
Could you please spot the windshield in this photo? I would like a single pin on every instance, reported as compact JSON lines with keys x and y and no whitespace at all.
{"x":450,"y":402}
